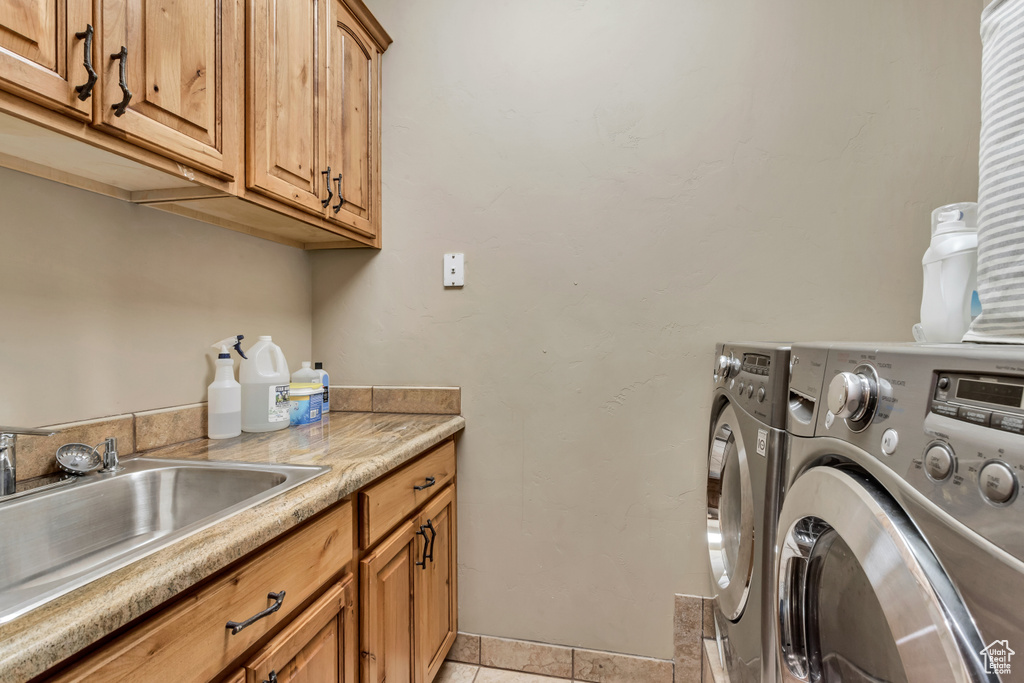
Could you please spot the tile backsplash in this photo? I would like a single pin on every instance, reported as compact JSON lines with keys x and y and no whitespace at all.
{"x":37,"y":454}
{"x":379,"y":399}
{"x":146,"y":430}
{"x":134,"y":432}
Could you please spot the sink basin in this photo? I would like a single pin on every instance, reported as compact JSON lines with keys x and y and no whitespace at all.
{"x":55,"y":541}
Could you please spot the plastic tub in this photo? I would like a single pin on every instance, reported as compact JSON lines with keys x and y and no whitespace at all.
{"x":306,"y":403}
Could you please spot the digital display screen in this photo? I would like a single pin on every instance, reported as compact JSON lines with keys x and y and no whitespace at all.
{"x":990,"y":392}
{"x":756,"y":360}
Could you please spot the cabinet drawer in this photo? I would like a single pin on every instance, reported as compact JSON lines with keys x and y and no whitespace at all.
{"x":190,"y":638}
{"x":318,"y":646}
{"x":384,"y":504}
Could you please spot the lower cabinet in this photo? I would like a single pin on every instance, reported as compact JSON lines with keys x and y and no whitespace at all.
{"x":291,"y":611}
{"x":319,"y":646}
{"x":191,"y":640}
{"x":408,"y":590}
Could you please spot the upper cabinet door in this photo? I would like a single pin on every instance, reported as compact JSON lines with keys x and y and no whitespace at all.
{"x":41,"y":59}
{"x":182,"y":65}
{"x":353,"y":137}
{"x":283,"y":127}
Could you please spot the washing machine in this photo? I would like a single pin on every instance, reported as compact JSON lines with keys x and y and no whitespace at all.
{"x":900,"y":536}
{"x":746,"y":445}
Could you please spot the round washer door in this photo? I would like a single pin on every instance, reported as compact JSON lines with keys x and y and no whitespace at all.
{"x":860,"y":595}
{"x":730,"y":515}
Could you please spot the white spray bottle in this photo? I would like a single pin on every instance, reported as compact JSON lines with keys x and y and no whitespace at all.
{"x":224,"y":396}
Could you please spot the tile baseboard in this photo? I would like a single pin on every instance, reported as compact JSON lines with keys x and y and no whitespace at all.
{"x":525,"y":656}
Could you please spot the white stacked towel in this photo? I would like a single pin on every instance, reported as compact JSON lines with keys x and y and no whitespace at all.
{"x":1001,"y":168}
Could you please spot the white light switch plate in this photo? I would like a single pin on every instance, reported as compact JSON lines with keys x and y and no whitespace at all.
{"x":454,"y":270}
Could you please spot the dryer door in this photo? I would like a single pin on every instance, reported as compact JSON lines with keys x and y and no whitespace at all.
{"x":860,"y":595}
{"x":730,"y":515}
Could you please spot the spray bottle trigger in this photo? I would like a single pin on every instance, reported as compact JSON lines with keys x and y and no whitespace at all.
{"x":238,"y":346}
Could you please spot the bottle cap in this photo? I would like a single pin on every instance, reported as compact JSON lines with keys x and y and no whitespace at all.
{"x":305,"y":364}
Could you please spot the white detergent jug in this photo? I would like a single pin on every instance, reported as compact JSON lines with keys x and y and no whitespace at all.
{"x":264,"y":378}
{"x":950,"y":301}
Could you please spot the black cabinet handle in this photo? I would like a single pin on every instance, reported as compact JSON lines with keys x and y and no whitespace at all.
{"x":123,"y":104}
{"x":433,"y":535}
{"x":85,"y":90}
{"x":278,"y":599}
{"x":430,"y":482}
{"x":426,"y":543}
{"x":273,"y":678}
{"x":341,"y":200}
{"x":330,"y":194}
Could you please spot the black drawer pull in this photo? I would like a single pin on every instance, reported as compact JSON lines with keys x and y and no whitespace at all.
{"x":273,"y":677}
{"x":278,"y":599}
{"x":433,"y":534}
{"x":330,"y":194}
{"x":426,"y":543}
{"x":120,"y":107}
{"x":430,"y":482}
{"x":85,"y":90}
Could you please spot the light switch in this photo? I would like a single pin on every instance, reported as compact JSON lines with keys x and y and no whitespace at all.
{"x":454,"y":270}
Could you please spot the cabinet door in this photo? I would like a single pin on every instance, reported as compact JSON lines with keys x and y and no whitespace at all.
{"x":183,"y":69}
{"x":352,"y":104}
{"x":386,"y":584}
{"x":283,"y":126}
{"x":435,"y":590}
{"x":41,"y":59}
{"x":318,"y":647}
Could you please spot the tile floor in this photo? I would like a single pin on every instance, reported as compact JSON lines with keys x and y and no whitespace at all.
{"x":455,"y":672}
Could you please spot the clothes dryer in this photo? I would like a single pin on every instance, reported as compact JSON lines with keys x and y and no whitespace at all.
{"x":745,"y":448}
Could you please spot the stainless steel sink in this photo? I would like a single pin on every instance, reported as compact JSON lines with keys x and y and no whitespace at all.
{"x":60,"y":539}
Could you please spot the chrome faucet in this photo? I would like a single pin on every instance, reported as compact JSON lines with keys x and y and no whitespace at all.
{"x":8,"y":455}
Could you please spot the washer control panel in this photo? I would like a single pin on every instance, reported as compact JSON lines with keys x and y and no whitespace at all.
{"x":754,"y":377}
{"x":995,"y":401}
{"x":947,"y":419}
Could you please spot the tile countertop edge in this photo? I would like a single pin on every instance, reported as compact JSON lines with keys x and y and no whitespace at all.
{"x":53,"y":632}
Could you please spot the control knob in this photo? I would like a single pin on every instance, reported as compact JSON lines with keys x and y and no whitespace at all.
{"x":997,"y":482}
{"x":938,"y":462}
{"x":728,"y":366}
{"x":850,"y":395}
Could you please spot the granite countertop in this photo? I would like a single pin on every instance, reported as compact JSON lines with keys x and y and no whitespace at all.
{"x":359,"y":447}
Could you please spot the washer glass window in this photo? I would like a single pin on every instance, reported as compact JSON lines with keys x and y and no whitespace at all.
{"x":860,"y":595}
{"x":730,"y":516}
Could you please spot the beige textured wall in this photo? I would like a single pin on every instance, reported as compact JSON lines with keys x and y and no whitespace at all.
{"x":631,"y":182}
{"x":108,"y":307}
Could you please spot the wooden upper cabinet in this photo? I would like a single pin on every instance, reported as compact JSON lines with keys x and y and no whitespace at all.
{"x":284,"y":124}
{"x":352,"y":137}
{"x":183,"y":69}
{"x":41,"y":59}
